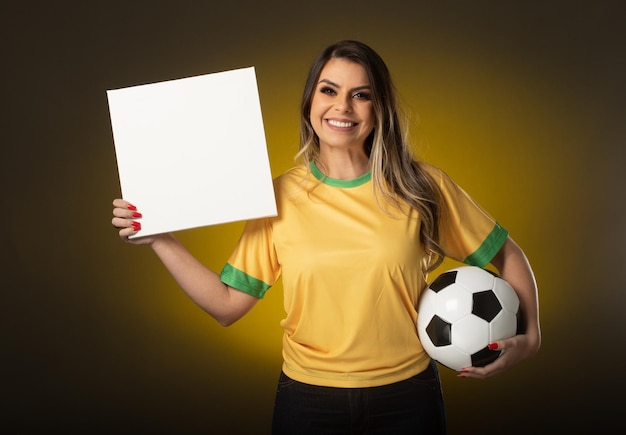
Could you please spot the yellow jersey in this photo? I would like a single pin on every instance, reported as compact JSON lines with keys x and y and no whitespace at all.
{"x":352,"y":273}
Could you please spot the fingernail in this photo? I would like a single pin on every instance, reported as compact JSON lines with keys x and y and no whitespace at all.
{"x":136,"y":214}
{"x":131,"y":207}
{"x":464,"y":371}
{"x":493,"y":346}
{"x":136,"y":226}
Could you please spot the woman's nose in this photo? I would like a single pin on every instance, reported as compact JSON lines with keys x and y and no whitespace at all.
{"x":344,"y":105}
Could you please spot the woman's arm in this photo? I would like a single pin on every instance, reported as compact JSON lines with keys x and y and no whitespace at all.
{"x":202,"y":285}
{"x":514,"y":267}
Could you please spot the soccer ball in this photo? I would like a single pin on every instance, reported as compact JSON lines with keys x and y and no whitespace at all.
{"x":461,"y":312}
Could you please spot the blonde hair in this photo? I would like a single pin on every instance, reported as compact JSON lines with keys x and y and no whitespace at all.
{"x":397,"y":176}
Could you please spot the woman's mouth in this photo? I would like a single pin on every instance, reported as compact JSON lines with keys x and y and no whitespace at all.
{"x":340,"y":124}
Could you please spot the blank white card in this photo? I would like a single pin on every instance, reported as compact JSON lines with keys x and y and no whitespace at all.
{"x":191,"y":152}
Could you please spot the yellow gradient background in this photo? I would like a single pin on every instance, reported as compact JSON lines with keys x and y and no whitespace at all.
{"x":522,"y":102}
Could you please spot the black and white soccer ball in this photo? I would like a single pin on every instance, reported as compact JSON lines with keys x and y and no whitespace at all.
{"x":461,"y":312}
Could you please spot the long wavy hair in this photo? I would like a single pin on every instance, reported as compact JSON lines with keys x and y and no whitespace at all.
{"x":397,"y":176}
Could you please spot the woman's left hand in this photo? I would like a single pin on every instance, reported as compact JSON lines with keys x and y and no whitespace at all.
{"x":513,"y":350}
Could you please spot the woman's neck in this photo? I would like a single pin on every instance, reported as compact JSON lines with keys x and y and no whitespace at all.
{"x":343,"y":164}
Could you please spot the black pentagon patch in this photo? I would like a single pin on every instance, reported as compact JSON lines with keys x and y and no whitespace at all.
{"x":486,"y":305}
{"x":439,"y":331}
{"x":443,"y":281}
{"x":484,"y":357}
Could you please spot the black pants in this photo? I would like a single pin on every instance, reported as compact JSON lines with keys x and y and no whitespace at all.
{"x":413,"y":406}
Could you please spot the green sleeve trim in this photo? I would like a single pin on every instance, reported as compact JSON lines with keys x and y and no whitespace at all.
{"x":489,"y":248}
{"x":243,"y":282}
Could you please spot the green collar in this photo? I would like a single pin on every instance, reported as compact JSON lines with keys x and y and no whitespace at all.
{"x":339,"y":183}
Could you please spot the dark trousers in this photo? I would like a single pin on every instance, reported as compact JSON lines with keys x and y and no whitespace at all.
{"x":413,"y":406}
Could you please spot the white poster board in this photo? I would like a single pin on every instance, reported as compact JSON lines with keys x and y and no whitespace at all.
{"x":191,"y":152}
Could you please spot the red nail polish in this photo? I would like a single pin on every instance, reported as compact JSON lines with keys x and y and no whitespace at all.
{"x":131,"y":207}
{"x":493,"y":346}
{"x":136,"y":214}
{"x":136,"y":226}
{"x":464,"y":371}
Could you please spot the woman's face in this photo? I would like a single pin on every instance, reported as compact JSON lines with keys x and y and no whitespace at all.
{"x":341,"y":109}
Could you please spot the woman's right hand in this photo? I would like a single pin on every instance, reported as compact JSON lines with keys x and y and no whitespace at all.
{"x":126,"y":220}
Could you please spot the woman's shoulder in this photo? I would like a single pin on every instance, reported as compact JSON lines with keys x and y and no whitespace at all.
{"x":293,"y":182}
{"x":296,"y":173}
{"x":434,"y":171}
{"x":438,"y":176}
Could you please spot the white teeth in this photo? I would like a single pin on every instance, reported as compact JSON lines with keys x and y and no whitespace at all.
{"x":340,"y":123}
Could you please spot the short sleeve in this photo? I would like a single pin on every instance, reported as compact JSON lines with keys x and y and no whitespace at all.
{"x":253,"y":267}
{"x":468,"y":233}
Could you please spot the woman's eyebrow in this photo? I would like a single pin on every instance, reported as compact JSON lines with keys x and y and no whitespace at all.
{"x":358,"y":88}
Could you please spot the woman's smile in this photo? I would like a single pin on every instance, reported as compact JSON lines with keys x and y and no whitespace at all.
{"x":340,"y":125}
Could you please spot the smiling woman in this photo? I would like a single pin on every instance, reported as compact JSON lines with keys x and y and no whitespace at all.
{"x":343,"y":118}
{"x":360,"y":224}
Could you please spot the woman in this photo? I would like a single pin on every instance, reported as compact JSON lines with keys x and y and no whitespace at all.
{"x":360,"y":224}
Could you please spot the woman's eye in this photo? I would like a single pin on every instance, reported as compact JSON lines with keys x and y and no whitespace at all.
{"x":328,"y":91}
{"x":362,"y":96}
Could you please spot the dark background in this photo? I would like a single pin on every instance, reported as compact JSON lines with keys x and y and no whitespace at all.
{"x":522,"y":102}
